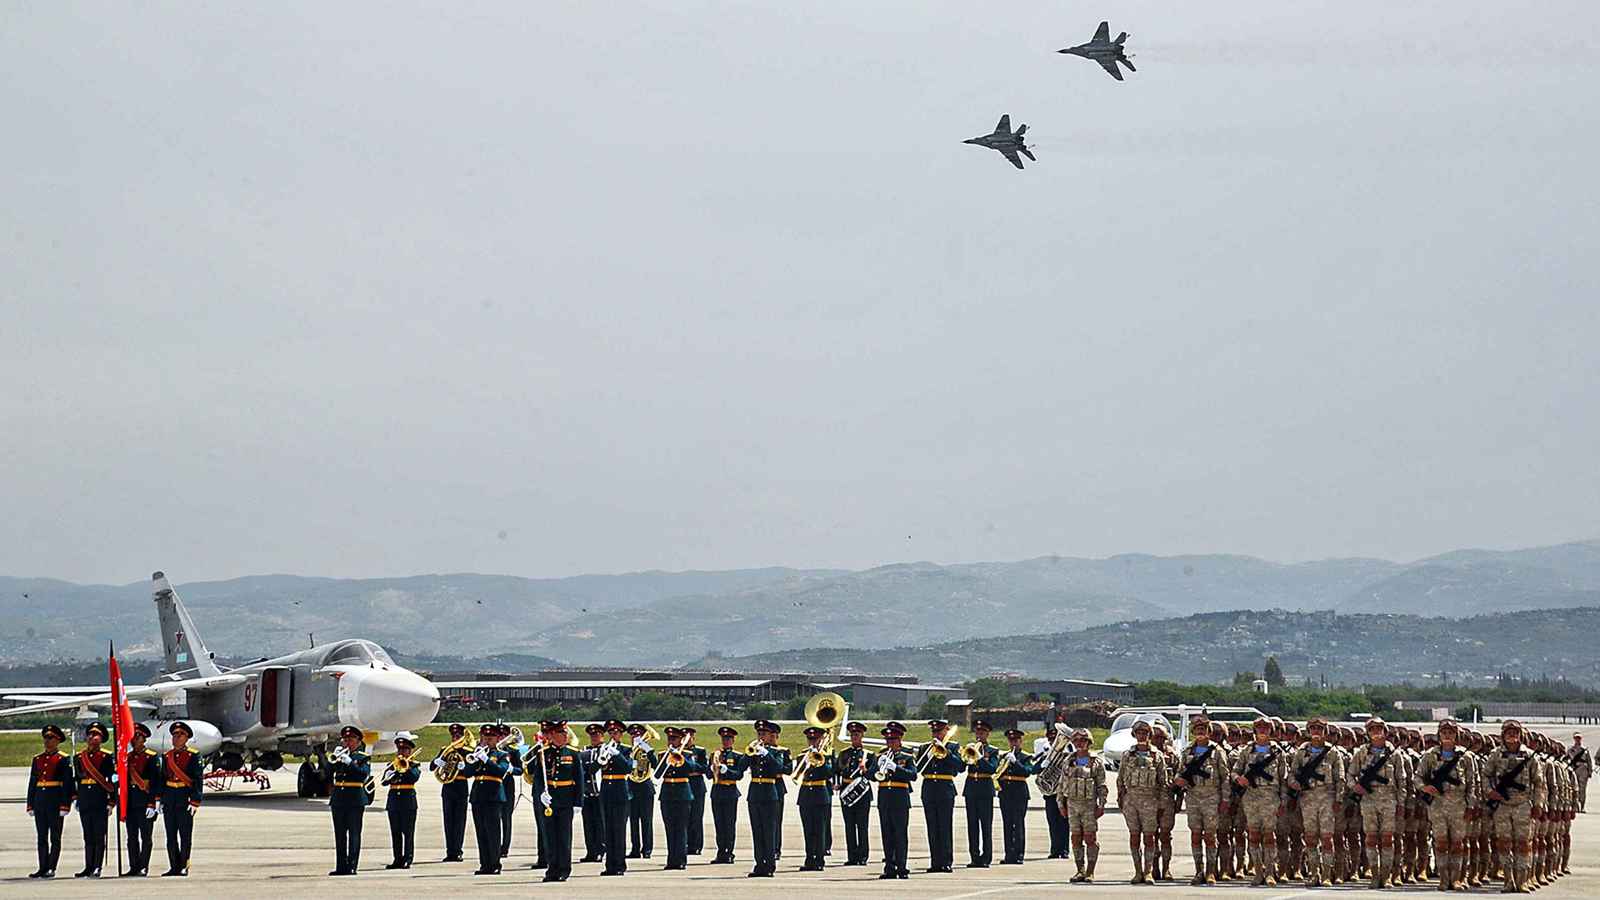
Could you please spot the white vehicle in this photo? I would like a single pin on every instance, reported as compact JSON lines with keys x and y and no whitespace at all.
{"x":1123,"y":719}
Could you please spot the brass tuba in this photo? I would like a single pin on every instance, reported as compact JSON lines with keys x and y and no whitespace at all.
{"x":825,"y":710}
{"x":451,"y":758}
{"x":642,"y":770}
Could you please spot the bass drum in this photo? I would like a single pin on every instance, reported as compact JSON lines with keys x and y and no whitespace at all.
{"x":859,"y":789}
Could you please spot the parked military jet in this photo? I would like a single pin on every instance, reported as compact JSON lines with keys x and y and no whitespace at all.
{"x":1006,"y":141}
{"x":254,"y":714}
{"x":1104,"y":51}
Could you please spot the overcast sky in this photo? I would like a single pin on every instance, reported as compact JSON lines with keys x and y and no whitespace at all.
{"x":561,"y":287}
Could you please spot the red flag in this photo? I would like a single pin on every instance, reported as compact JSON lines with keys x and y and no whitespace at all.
{"x":122,"y":723}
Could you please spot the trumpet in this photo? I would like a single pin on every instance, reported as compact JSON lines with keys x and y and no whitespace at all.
{"x":973,"y":752}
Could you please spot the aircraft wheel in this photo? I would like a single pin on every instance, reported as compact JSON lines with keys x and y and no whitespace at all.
{"x":308,"y":783}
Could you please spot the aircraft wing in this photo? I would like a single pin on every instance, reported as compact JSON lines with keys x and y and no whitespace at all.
{"x":1102,"y":35}
{"x":1005,"y":125}
{"x":1011,"y":154}
{"x":58,"y":701}
{"x":1110,"y":65}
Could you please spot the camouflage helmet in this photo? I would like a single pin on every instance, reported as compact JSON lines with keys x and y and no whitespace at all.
{"x":1449,"y":725}
{"x":1316,"y":722}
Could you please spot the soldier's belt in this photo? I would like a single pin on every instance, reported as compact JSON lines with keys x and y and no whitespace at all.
{"x":982,"y":776}
{"x":182,"y":784}
{"x":612,"y":777}
{"x":356,"y":784}
{"x":938,"y":778}
{"x":669,"y":781}
{"x":47,"y":784}
{"x":1013,"y":778}
{"x":725,"y":783}
{"x":402,"y":787}
{"x":87,"y":781}
{"x":494,"y":779}
{"x":819,"y":783}
{"x":763,"y":781}
{"x":567,"y":783}
{"x":895,"y":784}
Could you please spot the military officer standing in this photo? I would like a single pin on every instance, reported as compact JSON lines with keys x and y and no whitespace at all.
{"x":939,"y":796}
{"x":1514,"y":786}
{"x":183,"y":784}
{"x":487,"y":767}
{"x":1141,"y":776}
{"x":1317,"y":779}
{"x":642,"y":803}
{"x":768,"y":764}
{"x":1202,"y":778}
{"x":1582,"y":763}
{"x":815,"y":798}
{"x":1082,"y":797}
{"x":895,"y":770}
{"x":94,"y":770}
{"x":726,"y":766}
{"x":51,"y":789}
{"x":697,"y":792}
{"x":143,"y":782}
{"x":1054,"y":818}
{"x":675,"y":798}
{"x":401,"y":803}
{"x":1258,"y":786}
{"x":977,"y":793}
{"x":594,"y":826}
{"x":615,"y":796}
{"x":508,"y":809}
{"x":1012,"y":788}
{"x":562,"y":774}
{"x":348,"y":799}
{"x":453,"y":793}
{"x":855,"y":761}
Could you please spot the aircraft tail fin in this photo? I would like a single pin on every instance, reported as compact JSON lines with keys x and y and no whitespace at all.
{"x":180,"y":640}
{"x":1120,"y":38}
{"x":1129,"y":63}
{"x":1021,"y":130}
{"x":1029,"y":154}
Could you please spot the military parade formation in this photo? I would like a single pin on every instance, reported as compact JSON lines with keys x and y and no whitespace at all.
{"x":1268,"y":803}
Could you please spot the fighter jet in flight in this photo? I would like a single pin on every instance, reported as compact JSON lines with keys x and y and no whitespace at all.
{"x":1008,"y":142}
{"x":1103,"y":50}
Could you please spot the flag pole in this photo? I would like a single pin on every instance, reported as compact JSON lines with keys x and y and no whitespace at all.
{"x":119,"y":737}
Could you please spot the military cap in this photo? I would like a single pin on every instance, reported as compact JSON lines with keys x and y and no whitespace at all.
{"x":618,"y":724}
{"x":674,"y":731}
{"x":814,"y":731}
{"x":1140,"y":726}
{"x":1511,"y":725}
{"x":549,"y":725}
{"x":489,"y":728}
{"x":1082,"y":734}
{"x":1376,"y":721}
{"x":727,"y":731}
{"x":180,"y":724}
{"x":350,"y":731}
{"x":594,"y":728}
{"x":405,"y":737}
{"x":980,"y":723}
{"x":935,"y":723}
{"x":502,"y":729}
{"x":767,"y":725}
{"x":856,"y":727}
{"x":457,"y":728}
{"x":1158,"y":728}
{"x":688,"y":729}
{"x":893,"y":729}
{"x":636,"y":729}
{"x":97,"y":728}
{"x":54,"y":731}
{"x":1014,"y":733}
{"x":141,"y":728}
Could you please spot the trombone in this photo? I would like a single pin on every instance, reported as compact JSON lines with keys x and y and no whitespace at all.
{"x":933,"y":749}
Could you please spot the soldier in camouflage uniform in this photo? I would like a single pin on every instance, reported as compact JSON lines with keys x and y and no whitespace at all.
{"x":1201,"y":773}
{"x":1291,"y":830}
{"x":1258,"y":774}
{"x":1480,"y":831}
{"x":1382,"y":797}
{"x":1082,"y":796}
{"x":1570,"y":812}
{"x":1347,"y":833}
{"x":1141,"y":777}
{"x":1316,"y":779}
{"x":1411,"y":829}
{"x":1233,"y":812}
{"x":1582,"y":764}
{"x":1515,"y":792}
{"x":1447,"y":776}
{"x":1166,"y":805}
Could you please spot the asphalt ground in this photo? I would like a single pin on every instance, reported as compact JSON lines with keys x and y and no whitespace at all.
{"x":251,"y":843}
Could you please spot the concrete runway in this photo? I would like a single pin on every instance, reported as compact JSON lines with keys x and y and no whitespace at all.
{"x":251,"y":843}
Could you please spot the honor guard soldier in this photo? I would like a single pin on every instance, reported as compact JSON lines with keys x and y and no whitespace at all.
{"x":1317,"y":781}
{"x":615,"y":764}
{"x":727,"y":767}
{"x":1513,"y":787}
{"x":143,"y":792}
{"x":895,"y":770}
{"x":348,"y":799}
{"x":1445,"y":779}
{"x":183,"y":784}
{"x":401,"y":804}
{"x":562,"y":774}
{"x":676,"y":767}
{"x":1201,"y":778}
{"x":1011,"y":787}
{"x":1141,"y":776}
{"x":978,"y":795}
{"x":1377,"y":778}
{"x":768,"y":765}
{"x":814,"y":796}
{"x":594,"y":826}
{"x":855,"y":761}
{"x":939,"y":771}
{"x":1258,"y":788}
{"x":94,"y":770}
{"x":642,"y":799}
{"x":508,"y":809}
{"x":487,"y":767}
{"x":51,"y":789}
{"x":697,"y":792}
{"x":450,"y":768}
{"x":1083,"y":795}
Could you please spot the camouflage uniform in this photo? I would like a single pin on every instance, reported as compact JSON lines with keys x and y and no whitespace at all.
{"x":1166,"y":808}
{"x":1513,"y":816}
{"x":1381,"y":805}
{"x":1321,"y":805}
{"x":1582,"y":764}
{"x":1083,"y":792}
{"x":1142,"y":777}
{"x":1261,"y":801}
{"x":1449,"y":811}
{"x":1203,"y":799}
{"x":1348,"y":840}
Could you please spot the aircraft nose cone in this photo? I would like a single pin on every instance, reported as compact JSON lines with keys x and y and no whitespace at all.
{"x":388,"y":700}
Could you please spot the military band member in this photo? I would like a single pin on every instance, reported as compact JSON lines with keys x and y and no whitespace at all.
{"x":1201,"y":775}
{"x":51,"y":789}
{"x":1141,"y":777}
{"x":768,"y":764}
{"x":615,"y":764}
{"x":675,"y":768}
{"x":642,"y":802}
{"x":1055,"y":820}
{"x":1082,"y":798}
{"x":348,"y":799}
{"x":727,"y":765}
{"x":401,"y":803}
{"x":1582,"y":763}
{"x":1513,"y":788}
{"x":183,"y":784}
{"x":143,"y":792}
{"x":939,"y":797}
{"x":855,"y":761}
{"x":453,"y":798}
{"x":895,"y":770}
{"x":1316,"y":778}
{"x":94,"y":770}
{"x":487,"y":767}
{"x":594,"y":826}
{"x":1445,"y":776}
{"x":697,"y":792}
{"x":1258,"y":786}
{"x":508,"y":809}
{"x":1012,"y":788}
{"x":814,"y":796}
{"x":977,"y":795}
{"x":561,"y":777}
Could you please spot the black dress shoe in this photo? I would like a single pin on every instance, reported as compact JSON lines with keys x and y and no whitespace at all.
{"x":395,"y":865}
{"x":611,"y":872}
{"x":888,"y":876}
{"x":38,"y":874}
{"x":647,"y":856}
{"x":633,"y":855}
{"x":809,"y":869}
{"x":95,"y":873}
{"x":336,"y":872}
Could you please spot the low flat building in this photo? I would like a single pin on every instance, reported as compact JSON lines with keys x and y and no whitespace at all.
{"x":530,"y":692}
{"x":1073,"y":690}
{"x":867,"y":695}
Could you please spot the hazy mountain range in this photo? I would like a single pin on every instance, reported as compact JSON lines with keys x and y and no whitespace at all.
{"x":659,"y":618}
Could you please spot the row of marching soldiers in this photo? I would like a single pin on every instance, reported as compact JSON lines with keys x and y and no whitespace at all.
{"x":1331,"y":806}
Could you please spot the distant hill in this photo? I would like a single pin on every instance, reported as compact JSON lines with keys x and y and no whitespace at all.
{"x":1210,"y":647}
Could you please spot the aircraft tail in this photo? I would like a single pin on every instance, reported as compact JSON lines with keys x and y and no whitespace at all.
{"x":1129,"y":63}
{"x":180,"y":640}
{"x":1120,"y":38}
{"x":1022,"y":130}
{"x":1029,"y":154}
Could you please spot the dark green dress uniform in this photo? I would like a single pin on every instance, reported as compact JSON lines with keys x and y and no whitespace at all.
{"x":565,"y":786}
{"x":814,"y":797}
{"x":894,"y":810}
{"x":144,"y":779}
{"x":615,"y":798}
{"x":453,"y":789}
{"x":401,"y":807}
{"x":594,"y":826}
{"x":642,"y":814}
{"x":765,"y":804}
{"x":676,"y":799}
{"x":978,"y":794}
{"x":182,"y":785}
{"x":728,"y":766}
{"x":858,"y":816}
{"x":94,"y":771}
{"x":487,"y":770}
{"x":508,"y":809}
{"x":51,"y":789}
{"x":347,"y":800}
{"x":1014,"y":796}
{"x":939,"y":807}
{"x":697,"y":801}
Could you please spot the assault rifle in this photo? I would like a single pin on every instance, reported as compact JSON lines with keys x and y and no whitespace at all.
{"x":1193,"y":769}
{"x":1369,"y":775}
{"x":1507,"y":781}
{"x":1441,"y":776}
{"x":1309,"y":773}
{"x":1255,"y":772}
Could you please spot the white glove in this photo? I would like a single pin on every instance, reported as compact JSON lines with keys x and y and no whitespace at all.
{"x":30,"y":812}
{"x":545,"y":798}
{"x":193,"y":810}
{"x":461,"y":765}
{"x":762,"y":750}
{"x":149,"y":812}
{"x":886,"y":764}
{"x":64,"y":812}
{"x":640,"y":741}
{"x":481,"y":755}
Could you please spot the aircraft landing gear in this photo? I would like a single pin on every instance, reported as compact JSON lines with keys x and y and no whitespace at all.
{"x":310,"y":782}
